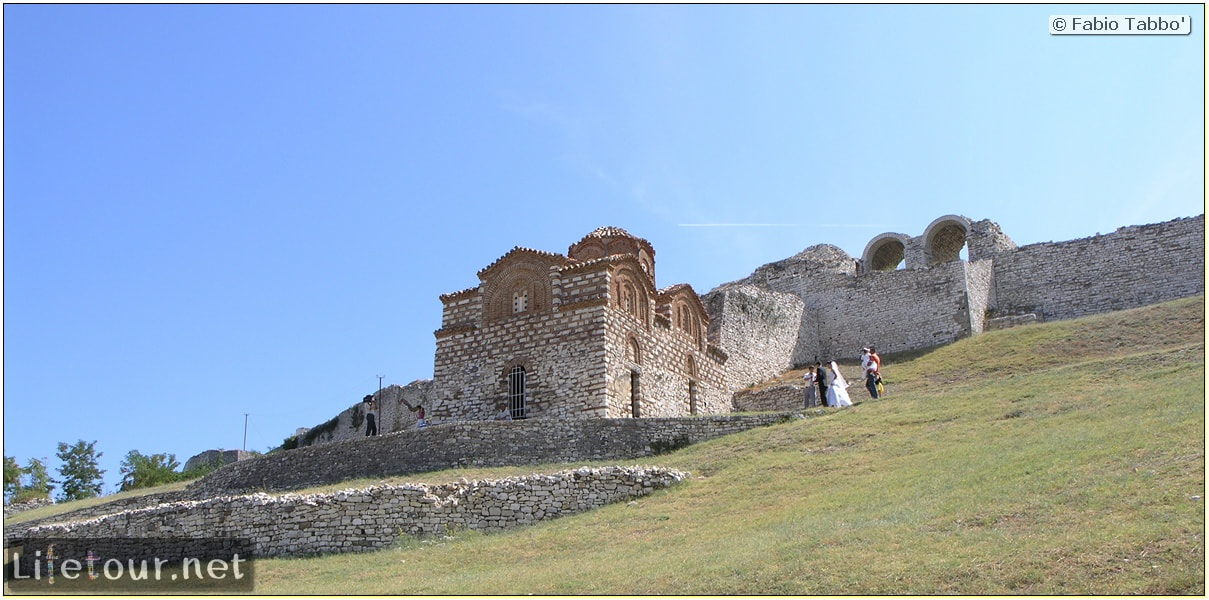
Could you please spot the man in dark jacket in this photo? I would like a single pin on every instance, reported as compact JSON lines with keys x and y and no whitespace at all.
{"x":825,"y":380}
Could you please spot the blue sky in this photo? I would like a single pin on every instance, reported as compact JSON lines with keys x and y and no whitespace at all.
{"x":213,"y":210}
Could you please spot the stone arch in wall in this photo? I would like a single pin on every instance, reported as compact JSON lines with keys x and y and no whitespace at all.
{"x":631,"y":295}
{"x":686,"y":320}
{"x":633,"y":351}
{"x":589,"y":249}
{"x":945,"y":238}
{"x":886,"y":252}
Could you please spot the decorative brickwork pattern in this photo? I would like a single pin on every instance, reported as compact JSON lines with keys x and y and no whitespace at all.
{"x":593,"y":335}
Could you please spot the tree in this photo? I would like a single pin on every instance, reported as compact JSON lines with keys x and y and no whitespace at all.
{"x":38,"y":478}
{"x":12,"y":476}
{"x":81,"y":475}
{"x":25,"y":484}
{"x":139,"y":471}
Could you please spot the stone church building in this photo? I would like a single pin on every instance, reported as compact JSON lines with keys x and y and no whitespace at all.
{"x":586,"y":334}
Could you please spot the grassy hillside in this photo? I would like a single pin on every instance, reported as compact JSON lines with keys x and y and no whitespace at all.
{"x":1061,"y":458}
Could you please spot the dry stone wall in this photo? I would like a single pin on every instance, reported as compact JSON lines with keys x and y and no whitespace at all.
{"x":362,"y":519}
{"x":478,"y":444}
{"x":108,"y":508}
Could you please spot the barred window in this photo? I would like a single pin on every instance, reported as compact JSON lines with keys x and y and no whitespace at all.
{"x":516,"y":392}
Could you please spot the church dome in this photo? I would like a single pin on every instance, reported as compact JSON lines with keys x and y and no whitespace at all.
{"x":609,"y":241}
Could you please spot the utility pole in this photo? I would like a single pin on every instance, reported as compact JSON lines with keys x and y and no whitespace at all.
{"x":245,"y":431}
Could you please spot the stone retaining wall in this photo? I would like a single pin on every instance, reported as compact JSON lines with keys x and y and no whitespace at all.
{"x":108,"y":508}
{"x":477,"y":444}
{"x":362,"y":519}
{"x":18,"y":508}
{"x":778,"y":397}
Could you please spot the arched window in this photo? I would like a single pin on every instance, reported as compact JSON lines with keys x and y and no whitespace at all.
{"x":631,"y":298}
{"x":633,"y":352}
{"x":516,"y":392}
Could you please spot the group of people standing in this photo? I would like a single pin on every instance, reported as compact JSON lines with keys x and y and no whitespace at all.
{"x":826,"y":386}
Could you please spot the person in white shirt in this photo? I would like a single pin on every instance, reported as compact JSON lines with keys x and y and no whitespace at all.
{"x":870,"y":369}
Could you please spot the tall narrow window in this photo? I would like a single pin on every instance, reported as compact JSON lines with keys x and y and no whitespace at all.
{"x":692,"y":397}
{"x":516,"y":392}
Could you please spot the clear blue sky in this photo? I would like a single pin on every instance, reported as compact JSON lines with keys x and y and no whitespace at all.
{"x":212,"y":210}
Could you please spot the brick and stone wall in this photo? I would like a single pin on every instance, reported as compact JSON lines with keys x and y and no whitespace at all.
{"x":359,"y":519}
{"x":893,"y":310}
{"x":593,"y":335}
{"x":778,"y":397}
{"x":478,"y":444}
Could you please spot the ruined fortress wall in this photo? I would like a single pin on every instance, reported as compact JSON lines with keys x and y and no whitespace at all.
{"x":893,"y":311}
{"x":759,"y":329}
{"x":355,"y":520}
{"x":478,"y":444}
{"x":1131,"y":267}
{"x":394,"y":416}
{"x":926,"y":305}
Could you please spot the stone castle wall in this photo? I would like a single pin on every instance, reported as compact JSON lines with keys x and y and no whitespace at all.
{"x":355,"y":520}
{"x":472,"y":444}
{"x":350,"y":423}
{"x":938,"y":298}
{"x":759,"y":329}
{"x":1131,"y":267}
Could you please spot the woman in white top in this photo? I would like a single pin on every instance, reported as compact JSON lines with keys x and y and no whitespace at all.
{"x":837,"y":394}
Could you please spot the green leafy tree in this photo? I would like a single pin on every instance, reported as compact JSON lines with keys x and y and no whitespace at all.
{"x":38,"y":479}
{"x":81,"y":475}
{"x":12,"y":476}
{"x":25,"y":484}
{"x":140,"y":471}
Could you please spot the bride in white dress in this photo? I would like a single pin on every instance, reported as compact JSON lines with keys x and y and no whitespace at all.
{"x":837,"y":394}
